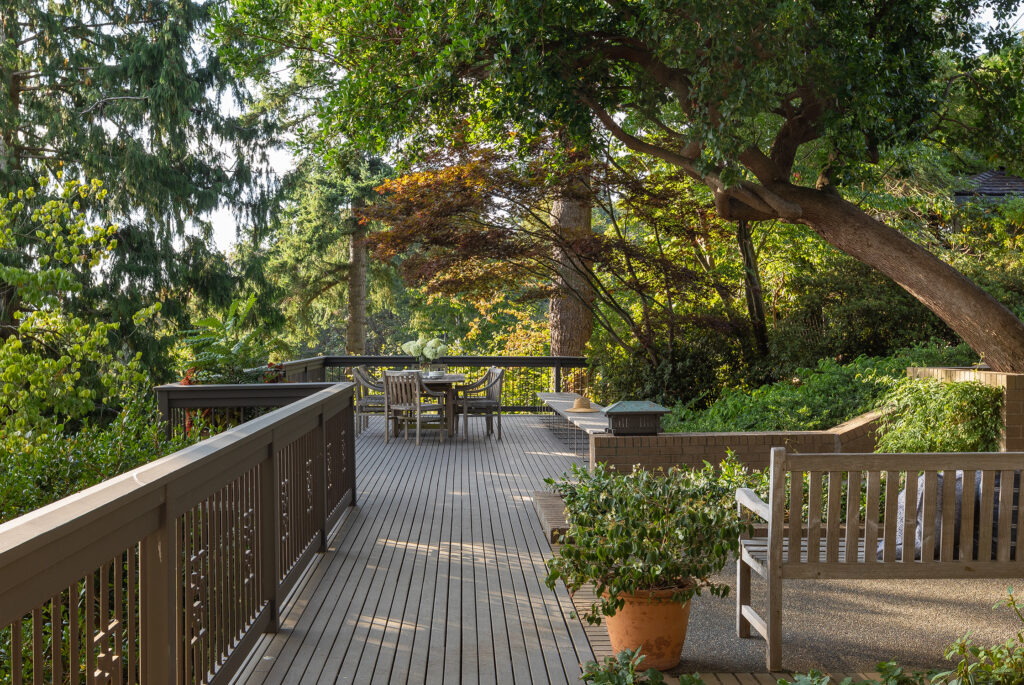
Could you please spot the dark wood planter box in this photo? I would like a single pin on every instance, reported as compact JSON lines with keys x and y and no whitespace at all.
{"x":635,"y":418}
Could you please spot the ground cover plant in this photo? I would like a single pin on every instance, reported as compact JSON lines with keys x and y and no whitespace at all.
{"x":815,"y":398}
{"x":625,"y":668}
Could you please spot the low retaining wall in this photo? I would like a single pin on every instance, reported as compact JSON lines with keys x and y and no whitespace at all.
{"x":752,"y":448}
{"x":1012,"y":439}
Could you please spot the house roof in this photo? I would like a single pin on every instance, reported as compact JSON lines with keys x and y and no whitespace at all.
{"x":994,"y":183}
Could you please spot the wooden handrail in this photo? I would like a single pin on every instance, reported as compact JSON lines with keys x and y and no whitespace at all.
{"x":455,"y":360}
{"x":172,"y":570}
{"x":175,"y":400}
{"x":525,"y":375}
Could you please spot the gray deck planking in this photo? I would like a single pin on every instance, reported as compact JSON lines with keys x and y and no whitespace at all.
{"x":438,"y":575}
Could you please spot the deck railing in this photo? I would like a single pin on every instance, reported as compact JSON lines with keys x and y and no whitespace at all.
{"x":224,"y":405}
{"x":170,"y":572}
{"x":524,"y":376}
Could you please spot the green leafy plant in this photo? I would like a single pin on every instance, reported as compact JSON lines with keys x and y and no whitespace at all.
{"x":1002,"y":663}
{"x":63,"y":464}
{"x":76,"y":408}
{"x":927,"y":415}
{"x":814,"y":399}
{"x":621,"y":669}
{"x":223,"y":350}
{"x":643,"y":531}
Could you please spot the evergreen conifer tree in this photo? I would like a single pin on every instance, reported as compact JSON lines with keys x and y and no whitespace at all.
{"x":130,"y":92}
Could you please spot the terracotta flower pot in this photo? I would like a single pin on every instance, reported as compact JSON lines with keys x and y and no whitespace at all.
{"x":652,"y":622}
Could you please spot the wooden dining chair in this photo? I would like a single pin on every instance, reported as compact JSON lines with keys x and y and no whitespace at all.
{"x":404,"y":394}
{"x":369,"y":397}
{"x":482,"y":398}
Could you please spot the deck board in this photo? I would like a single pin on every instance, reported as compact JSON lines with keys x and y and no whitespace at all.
{"x":437,"y":576}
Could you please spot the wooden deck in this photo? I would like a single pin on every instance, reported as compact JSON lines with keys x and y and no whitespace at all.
{"x":437,"y":576}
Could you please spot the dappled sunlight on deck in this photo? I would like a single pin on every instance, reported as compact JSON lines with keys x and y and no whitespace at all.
{"x":437,"y":576}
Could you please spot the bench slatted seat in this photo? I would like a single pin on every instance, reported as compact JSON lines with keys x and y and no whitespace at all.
{"x":867,"y":536}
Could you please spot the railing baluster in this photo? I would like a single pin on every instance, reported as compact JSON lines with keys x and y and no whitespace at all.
{"x":90,"y":627}
{"x":159,"y":609}
{"x":270,"y":533}
{"x":132,"y":645}
{"x":57,"y":637}
{"x":74,"y":635}
{"x":320,"y":482}
{"x":37,"y":646}
{"x":16,"y":665}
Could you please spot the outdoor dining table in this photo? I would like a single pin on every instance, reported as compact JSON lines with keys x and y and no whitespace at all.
{"x":447,"y":383}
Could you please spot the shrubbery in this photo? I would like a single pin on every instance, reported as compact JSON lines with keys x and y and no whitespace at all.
{"x":927,"y":415}
{"x":815,"y":399}
{"x":232,"y":349}
{"x":64,"y":464}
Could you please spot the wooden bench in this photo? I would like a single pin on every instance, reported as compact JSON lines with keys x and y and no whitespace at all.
{"x":856,"y":537}
{"x":573,"y":429}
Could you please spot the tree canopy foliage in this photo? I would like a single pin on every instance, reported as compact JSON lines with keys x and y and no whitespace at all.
{"x":774,"y":107}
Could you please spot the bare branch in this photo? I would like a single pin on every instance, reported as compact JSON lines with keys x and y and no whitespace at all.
{"x":103,"y":102}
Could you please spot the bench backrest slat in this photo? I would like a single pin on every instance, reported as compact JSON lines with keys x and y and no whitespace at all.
{"x":871,"y":513}
{"x":928,"y":497}
{"x":909,"y":522}
{"x":1020,"y":518}
{"x":988,"y":486}
{"x":853,"y":508}
{"x":814,"y":514}
{"x":796,"y":506}
{"x":949,"y":541}
{"x":1005,"y":520}
{"x":852,"y":517}
{"x":967,"y":514}
{"x":892,"y":491}
{"x":832,"y":518}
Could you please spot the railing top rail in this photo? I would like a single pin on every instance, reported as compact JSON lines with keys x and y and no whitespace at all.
{"x":245,"y":388}
{"x":139,"y":491}
{"x":463,"y":360}
{"x":899,"y":461}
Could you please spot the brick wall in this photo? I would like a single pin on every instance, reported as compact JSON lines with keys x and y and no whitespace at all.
{"x":751,"y":448}
{"x":754,"y":448}
{"x":1012,"y":439}
{"x":857,"y":434}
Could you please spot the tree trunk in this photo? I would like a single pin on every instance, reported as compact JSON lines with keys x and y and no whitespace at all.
{"x":569,"y":315}
{"x":986,"y":325}
{"x":355,"y":332}
{"x":752,"y":287}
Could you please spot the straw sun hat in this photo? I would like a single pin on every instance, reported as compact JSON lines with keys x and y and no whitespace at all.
{"x":582,"y":406}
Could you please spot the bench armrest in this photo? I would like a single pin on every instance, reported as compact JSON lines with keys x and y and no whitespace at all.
{"x":747,"y":499}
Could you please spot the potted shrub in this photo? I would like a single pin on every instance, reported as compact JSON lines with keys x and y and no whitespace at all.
{"x":648,"y":542}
